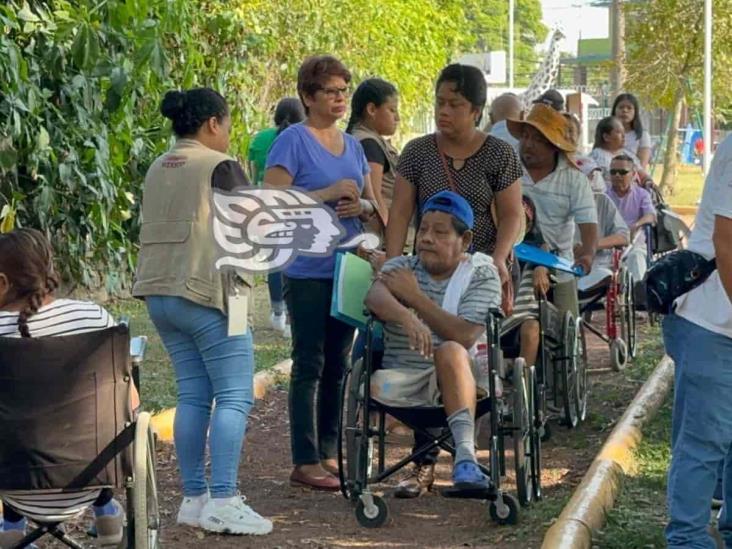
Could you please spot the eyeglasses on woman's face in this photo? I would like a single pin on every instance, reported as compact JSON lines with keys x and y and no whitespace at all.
{"x":335,"y":93}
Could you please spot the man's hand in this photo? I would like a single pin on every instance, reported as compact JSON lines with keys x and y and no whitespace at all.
{"x":541,"y":281}
{"x":584,"y":261}
{"x":402,"y":284}
{"x":420,"y":336}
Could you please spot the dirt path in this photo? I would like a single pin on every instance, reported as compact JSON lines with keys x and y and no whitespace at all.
{"x":311,"y":519}
{"x":317,"y":520}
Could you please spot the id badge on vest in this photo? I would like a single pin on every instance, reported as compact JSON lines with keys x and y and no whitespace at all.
{"x":238,"y":314}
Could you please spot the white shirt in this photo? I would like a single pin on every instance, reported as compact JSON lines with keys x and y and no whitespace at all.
{"x":632,"y":143}
{"x":500,"y":130}
{"x":562,"y":198}
{"x":708,"y":305}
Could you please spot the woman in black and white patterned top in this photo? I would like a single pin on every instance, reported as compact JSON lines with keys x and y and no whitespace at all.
{"x":28,"y":309}
{"x":461,"y":158}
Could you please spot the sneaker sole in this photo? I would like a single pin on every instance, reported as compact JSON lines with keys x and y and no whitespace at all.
{"x":220,"y":529}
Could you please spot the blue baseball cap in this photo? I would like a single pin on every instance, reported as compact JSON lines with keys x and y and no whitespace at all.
{"x":451,"y":203}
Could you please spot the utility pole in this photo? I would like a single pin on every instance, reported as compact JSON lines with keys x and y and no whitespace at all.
{"x":708,"y":130}
{"x":510,"y":43}
{"x":617,"y":38}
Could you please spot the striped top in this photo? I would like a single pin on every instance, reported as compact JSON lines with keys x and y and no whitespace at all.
{"x":58,"y":318}
{"x":482,"y":294}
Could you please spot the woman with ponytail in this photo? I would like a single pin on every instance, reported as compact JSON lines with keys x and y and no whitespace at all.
{"x":375,"y":117}
{"x":28,"y":308}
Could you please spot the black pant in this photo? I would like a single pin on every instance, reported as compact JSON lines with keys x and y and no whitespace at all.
{"x":320,"y":352}
{"x":11,"y":515}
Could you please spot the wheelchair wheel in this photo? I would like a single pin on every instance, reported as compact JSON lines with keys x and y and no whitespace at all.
{"x":145,"y":528}
{"x":535,"y":434}
{"x":522,"y":420}
{"x":507,"y":513}
{"x":582,"y":365}
{"x":568,"y":371}
{"x":351,"y":447}
{"x":630,"y":329}
{"x":374,"y":517}
{"x":618,"y":354}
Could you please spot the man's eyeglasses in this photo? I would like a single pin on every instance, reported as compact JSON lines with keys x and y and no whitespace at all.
{"x":619,"y":172}
{"x":333,"y":93}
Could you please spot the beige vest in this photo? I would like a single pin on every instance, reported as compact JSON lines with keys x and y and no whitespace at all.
{"x":361,"y":132}
{"x":177,"y":248}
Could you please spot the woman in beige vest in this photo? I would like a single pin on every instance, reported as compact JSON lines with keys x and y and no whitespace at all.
{"x":188,"y":301}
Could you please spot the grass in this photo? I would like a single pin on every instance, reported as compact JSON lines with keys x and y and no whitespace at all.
{"x":639,"y":515}
{"x":157,"y":382}
{"x":688,"y":186}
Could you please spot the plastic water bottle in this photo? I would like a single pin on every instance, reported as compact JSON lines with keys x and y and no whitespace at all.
{"x":483,"y":367}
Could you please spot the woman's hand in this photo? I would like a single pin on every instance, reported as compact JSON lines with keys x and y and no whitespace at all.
{"x":349,"y":208}
{"x":506,"y":287}
{"x":541,"y":281}
{"x":420,"y":336}
{"x":343,"y":190}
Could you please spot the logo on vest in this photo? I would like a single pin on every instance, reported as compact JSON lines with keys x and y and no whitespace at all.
{"x":265,"y":230}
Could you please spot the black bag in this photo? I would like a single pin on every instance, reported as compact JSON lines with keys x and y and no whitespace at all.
{"x":672,"y":276}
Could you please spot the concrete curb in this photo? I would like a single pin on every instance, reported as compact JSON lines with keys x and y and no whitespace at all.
{"x":595,"y":496}
{"x":162,"y":422}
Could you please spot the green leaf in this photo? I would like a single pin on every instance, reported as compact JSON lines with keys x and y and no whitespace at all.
{"x":8,"y":154}
{"x":25,"y":14}
{"x":85,"y":48}
{"x":43,"y":138}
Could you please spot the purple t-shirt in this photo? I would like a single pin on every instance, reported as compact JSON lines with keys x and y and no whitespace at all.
{"x":633,"y":205}
{"x":313,"y":167}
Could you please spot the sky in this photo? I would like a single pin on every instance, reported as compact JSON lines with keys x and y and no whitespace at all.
{"x":577,"y":18}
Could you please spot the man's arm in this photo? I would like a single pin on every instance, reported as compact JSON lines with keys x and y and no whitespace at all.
{"x":448,"y":326}
{"x":722,"y":239}
{"x":612,"y":241}
{"x":647,"y":219}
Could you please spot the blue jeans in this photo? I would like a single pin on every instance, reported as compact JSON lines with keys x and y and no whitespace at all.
{"x":701,"y":435}
{"x":209,"y":365}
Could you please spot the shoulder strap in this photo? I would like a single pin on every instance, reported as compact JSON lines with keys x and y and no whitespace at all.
{"x":450,"y":182}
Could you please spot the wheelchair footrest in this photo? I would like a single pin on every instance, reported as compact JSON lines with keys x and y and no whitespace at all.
{"x":469,"y":492}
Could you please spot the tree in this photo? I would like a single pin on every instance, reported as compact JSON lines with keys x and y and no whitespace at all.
{"x":81,"y":82}
{"x":665,"y":61}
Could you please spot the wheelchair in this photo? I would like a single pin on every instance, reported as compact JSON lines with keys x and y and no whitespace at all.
{"x":361,"y":447}
{"x":560,"y":380}
{"x":615,"y":294}
{"x":67,"y":426}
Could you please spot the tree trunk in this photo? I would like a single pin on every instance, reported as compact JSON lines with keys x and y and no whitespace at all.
{"x":670,"y":157}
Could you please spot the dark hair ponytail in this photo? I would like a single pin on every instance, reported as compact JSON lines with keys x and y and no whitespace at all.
{"x":26,"y":259}
{"x":189,"y":109}
{"x":288,"y":111}
{"x":373,"y":90}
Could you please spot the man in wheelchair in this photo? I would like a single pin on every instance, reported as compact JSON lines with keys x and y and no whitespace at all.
{"x":636,"y":207}
{"x":434,"y":307}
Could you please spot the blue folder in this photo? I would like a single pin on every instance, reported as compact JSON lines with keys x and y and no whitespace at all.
{"x":537,"y":256}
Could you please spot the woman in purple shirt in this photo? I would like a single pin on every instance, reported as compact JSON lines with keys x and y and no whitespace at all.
{"x":318,"y":158}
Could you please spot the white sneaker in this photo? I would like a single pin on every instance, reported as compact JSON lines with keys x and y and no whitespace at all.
{"x":233,"y":517}
{"x":190,"y":510}
{"x":278,"y":322}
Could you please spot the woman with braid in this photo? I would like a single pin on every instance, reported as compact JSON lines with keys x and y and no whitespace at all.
{"x":28,"y":308}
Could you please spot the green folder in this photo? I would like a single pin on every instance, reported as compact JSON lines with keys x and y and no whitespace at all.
{"x":351,"y":282}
